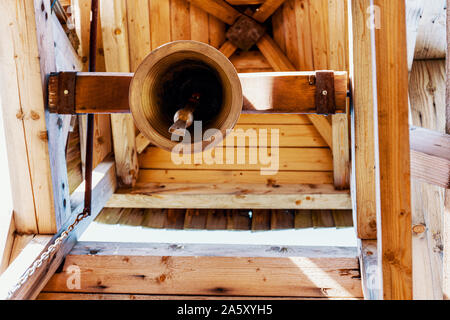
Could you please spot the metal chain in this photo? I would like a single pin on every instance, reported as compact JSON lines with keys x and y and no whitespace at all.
{"x":45,"y":255}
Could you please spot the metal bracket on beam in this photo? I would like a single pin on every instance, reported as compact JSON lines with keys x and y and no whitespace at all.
{"x":325,"y":92}
{"x":61,"y":92}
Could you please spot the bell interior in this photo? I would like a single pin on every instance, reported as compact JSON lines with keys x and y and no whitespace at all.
{"x":172,"y":81}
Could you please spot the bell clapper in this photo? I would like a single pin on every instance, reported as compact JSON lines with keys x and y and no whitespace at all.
{"x":184,"y":118}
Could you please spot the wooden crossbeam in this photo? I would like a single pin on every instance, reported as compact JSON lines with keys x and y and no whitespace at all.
{"x":135,"y":268}
{"x":290,"y":92}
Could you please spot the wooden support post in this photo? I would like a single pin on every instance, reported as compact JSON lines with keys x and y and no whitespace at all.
{"x":115,"y":30}
{"x":393,"y":150}
{"x":363,"y":138}
{"x":28,"y":59}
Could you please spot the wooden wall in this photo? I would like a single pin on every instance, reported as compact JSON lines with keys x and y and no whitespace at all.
{"x":427,"y":87}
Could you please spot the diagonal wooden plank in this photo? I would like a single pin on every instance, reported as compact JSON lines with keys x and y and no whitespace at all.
{"x":267,"y":9}
{"x":218,"y":8}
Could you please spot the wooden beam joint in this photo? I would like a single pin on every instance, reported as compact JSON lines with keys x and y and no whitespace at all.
{"x":61,"y":92}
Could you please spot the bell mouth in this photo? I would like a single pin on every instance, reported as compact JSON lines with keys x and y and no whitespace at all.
{"x":165,"y":81}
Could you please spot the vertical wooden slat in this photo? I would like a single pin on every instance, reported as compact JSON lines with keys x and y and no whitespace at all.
{"x":338,"y":60}
{"x":261,"y":220}
{"x":138,"y":22}
{"x":216,"y":219}
{"x":282,"y":219}
{"x":154,"y":218}
{"x":290,"y":33}
{"x":115,"y":39}
{"x":278,"y":29}
{"x":159,"y":22}
{"x":175,"y":218}
{"x":238,"y":220}
{"x":216,"y":32}
{"x":195,"y":219}
{"x":199,"y":24}
{"x":180,"y":20}
{"x":303,"y":219}
{"x":304,"y":35}
{"x":393,"y":149}
{"x":318,"y":13}
{"x":363,"y":144}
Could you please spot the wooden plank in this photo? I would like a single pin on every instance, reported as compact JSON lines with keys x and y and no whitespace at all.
{"x":322,"y":219}
{"x":370,"y":277}
{"x":301,"y":159}
{"x":108,"y":92}
{"x":195,"y":219}
{"x":342,"y":218}
{"x":227,"y":48}
{"x":318,"y":15}
{"x":250,"y":60}
{"x":303,"y":219}
{"x":24,"y":95}
{"x":103,"y":186}
{"x":154,"y":218}
{"x":430,"y":156}
{"x":431,"y":39}
{"x":282,"y":219}
{"x":115,"y":38}
{"x":16,"y":146}
{"x":175,"y":219}
{"x":323,"y":126}
{"x":115,"y":296}
{"x":363,"y":140}
{"x":199,"y":24}
{"x":220,"y":9}
{"x":233,"y":176}
{"x":414,"y":13}
{"x":239,"y":220}
{"x":109,"y":216}
{"x":216,"y":32}
{"x":290,"y":33}
{"x":304,"y":35}
{"x":216,"y":220}
{"x":278,"y":28}
{"x":213,"y":270}
{"x":138,"y":23}
{"x":232,"y":201}
{"x":273,"y":54}
{"x":180,"y":27}
{"x":266,"y":10}
{"x":338,"y":60}
{"x":393,"y":148}
{"x":159,"y":22}
{"x":427,"y":92}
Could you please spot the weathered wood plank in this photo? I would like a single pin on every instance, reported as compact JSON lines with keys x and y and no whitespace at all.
{"x":393,"y":149}
{"x":363,"y":139}
{"x":212,"y":270}
{"x":233,"y":176}
{"x":232,"y":201}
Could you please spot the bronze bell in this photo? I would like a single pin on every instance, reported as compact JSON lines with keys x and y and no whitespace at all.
{"x":181,"y":83}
